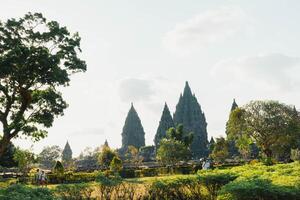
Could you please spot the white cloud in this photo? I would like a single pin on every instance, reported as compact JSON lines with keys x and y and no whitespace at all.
{"x":206,"y":28}
{"x":271,"y":71}
{"x":134,"y":90}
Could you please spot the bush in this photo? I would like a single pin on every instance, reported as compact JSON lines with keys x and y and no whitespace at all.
{"x":71,"y":177}
{"x":17,"y":192}
{"x":107,"y":186}
{"x":149,"y":172}
{"x":58,"y":168}
{"x":74,"y":191}
{"x":127,"y":173}
{"x":184,"y":170}
{"x":213,"y":181}
{"x":179,"y":188}
{"x":268,"y":161}
{"x":254,"y":189}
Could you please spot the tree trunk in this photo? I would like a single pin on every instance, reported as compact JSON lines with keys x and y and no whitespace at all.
{"x":4,"y":142}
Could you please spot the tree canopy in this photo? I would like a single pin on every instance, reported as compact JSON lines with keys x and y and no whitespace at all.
{"x":270,"y":124}
{"x":175,"y":147}
{"x":49,"y":155}
{"x":36,"y":57}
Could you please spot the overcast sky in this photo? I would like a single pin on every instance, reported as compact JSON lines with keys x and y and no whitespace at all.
{"x":143,"y":52}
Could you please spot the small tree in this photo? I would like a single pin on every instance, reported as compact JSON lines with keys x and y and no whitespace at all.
{"x":49,"y":155}
{"x":24,"y":158}
{"x":106,"y":156}
{"x":220,"y":151}
{"x":132,"y":155}
{"x":116,"y":164}
{"x":171,"y":151}
{"x":175,"y":147}
{"x":58,"y":168}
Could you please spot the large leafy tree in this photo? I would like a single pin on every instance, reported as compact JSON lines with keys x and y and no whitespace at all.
{"x":36,"y":57}
{"x":270,"y":124}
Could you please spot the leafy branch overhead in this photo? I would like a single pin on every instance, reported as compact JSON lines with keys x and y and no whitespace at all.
{"x":36,"y":57}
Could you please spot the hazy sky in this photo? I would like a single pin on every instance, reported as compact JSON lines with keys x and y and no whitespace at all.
{"x":143,"y":51}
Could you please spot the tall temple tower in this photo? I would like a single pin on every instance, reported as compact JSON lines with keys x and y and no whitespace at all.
{"x":189,"y":114}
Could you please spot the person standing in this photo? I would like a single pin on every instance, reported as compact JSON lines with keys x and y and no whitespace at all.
{"x":43,"y":179}
{"x":37,"y":177}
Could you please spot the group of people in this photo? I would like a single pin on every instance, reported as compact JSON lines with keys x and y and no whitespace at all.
{"x":40,"y":178}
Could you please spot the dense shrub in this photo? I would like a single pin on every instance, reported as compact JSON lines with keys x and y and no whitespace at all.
{"x":179,"y":188}
{"x":107,"y":186}
{"x":74,"y":191}
{"x":19,"y":192}
{"x":257,"y":189}
{"x":127,"y":173}
{"x":71,"y":177}
{"x":214,"y":181}
{"x":149,"y":172}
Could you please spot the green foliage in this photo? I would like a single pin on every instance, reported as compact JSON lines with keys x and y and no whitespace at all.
{"x":133,"y":131}
{"x":58,"y":168}
{"x":214,"y":181}
{"x":165,"y":123}
{"x":175,"y":147}
{"x":74,"y":191}
{"x":179,"y":135}
{"x":67,"y":154}
{"x":24,"y":158}
{"x":255,"y":189}
{"x":71,"y":177}
{"x":220,"y":151}
{"x":171,"y":151}
{"x":273,"y":126}
{"x":178,"y":188}
{"x":244,"y":145}
{"x":280,"y":176}
{"x":106,"y":156}
{"x":189,"y":114}
{"x":7,"y":159}
{"x":17,"y":192}
{"x":36,"y":57}
{"x":107,"y":186}
{"x":116,"y":164}
{"x":49,"y":155}
{"x":147,"y":153}
{"x":132,"y":155}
